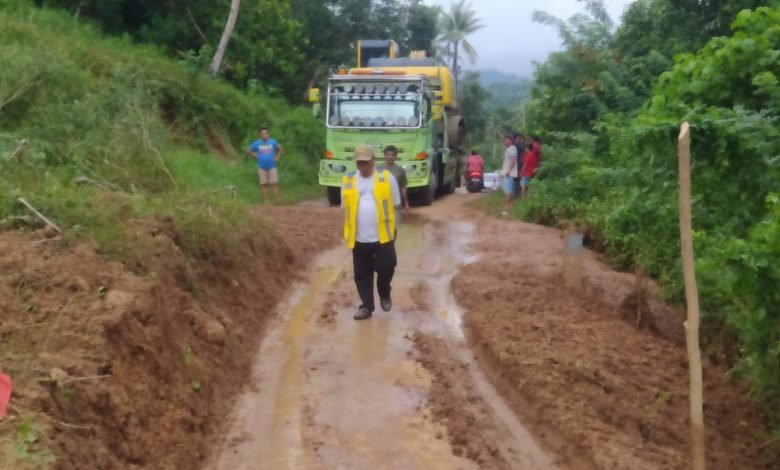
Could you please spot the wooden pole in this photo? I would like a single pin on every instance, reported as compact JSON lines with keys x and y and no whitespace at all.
{"x":692,"y":299}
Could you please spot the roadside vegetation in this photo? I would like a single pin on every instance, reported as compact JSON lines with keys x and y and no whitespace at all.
{"x":96,"y":132}
{"x":609,"y":109}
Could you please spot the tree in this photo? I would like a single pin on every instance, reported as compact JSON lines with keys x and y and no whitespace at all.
{"x":577,"y":86}
{"x":422,"y":28}
{"x":454,"y":26}
{"x":471,"y":98}
{"x":225,"y":39}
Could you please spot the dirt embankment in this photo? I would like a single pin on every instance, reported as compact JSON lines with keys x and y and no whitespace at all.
{"x":115,"y":370}
{"x":581,"y":375}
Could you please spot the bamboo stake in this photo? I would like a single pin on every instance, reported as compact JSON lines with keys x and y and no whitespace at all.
{"x":692,"y":300}
{"x":26,"y":204}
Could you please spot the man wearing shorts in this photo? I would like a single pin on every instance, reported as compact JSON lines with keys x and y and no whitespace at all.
{"x":520,"y":146}
{"x":509,"y":171}
{"x":267,"y":152}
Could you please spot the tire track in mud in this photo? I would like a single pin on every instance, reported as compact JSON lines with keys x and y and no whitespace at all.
{"x":335,"y":393}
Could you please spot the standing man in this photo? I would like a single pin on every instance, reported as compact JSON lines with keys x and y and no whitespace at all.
{"x":519,"y":143}
{"x":391,"y":154}
{"x":530,"y":163}
{"x":267,"y":152}
{"x":369,"y":198}
{"x":509,"y":171}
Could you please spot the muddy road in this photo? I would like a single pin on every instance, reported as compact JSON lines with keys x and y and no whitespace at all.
{"x":555,"y":378}
{"x":330,"y":392}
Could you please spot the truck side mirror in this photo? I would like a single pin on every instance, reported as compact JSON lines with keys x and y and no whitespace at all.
{"x":438,"y":97}
{"x":314,"y":95}
{"x":436,"y":112}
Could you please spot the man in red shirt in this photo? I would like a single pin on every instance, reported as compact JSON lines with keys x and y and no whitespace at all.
{"x":474,"y":162}
{"x":530,"y":162}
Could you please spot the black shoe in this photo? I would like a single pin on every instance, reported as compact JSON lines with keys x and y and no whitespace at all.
{"x":362,"y":314}
{"x":386,"y":303}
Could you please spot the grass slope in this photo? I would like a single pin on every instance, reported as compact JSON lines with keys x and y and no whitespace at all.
{"x":163,"y":134}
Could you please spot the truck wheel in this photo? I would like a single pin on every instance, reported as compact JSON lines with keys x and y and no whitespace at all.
{"x":334,"y":196}
{"x":450,"y":187}
{"x":426,"y":195}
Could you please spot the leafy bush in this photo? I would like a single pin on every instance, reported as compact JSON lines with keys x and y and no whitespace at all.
{"x":620,"y":186}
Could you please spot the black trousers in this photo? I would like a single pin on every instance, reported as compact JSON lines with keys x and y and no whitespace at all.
{"x":370,"y":258}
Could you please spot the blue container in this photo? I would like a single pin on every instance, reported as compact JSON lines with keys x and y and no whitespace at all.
{"x":575,"y":243}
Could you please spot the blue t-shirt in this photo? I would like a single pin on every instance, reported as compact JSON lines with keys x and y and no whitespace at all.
{"x":265,"y":151}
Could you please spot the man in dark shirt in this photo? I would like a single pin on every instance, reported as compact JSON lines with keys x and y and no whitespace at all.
{"x":391,"y":154}
{"x":519,"y":143}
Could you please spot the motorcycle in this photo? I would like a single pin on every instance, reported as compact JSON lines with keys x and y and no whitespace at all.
{"x":475,"y":182}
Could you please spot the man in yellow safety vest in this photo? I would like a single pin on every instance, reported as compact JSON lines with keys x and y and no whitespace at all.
{"x":369,"y":198}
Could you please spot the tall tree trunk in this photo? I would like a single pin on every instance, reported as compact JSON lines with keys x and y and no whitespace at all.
{"x":455,"y":64}
{"x":223,"y":42}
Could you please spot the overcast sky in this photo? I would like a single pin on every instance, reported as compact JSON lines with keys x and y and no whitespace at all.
{"x":511,"y":41}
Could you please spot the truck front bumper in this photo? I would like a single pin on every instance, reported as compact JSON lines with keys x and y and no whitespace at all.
{"x":332,"y":171}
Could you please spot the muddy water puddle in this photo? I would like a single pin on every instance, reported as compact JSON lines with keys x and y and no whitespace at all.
{"x":333,"y":393}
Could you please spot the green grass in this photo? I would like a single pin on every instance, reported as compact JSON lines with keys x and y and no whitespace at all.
{"x":165,"y":136}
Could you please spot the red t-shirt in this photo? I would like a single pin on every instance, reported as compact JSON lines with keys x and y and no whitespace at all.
{"x":531,"y":161}
{"x":474,"y":163}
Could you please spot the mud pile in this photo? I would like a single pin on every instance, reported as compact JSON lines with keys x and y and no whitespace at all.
{"x":583,"y":377}
{"x":116,"y":370}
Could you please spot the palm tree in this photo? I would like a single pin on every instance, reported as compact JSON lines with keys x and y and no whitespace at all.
{"x":454,"y":25}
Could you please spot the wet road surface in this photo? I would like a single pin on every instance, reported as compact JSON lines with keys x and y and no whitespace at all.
{"x":333,"y":393}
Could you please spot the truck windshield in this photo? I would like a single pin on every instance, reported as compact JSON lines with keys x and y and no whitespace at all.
{"x":379,"y":106}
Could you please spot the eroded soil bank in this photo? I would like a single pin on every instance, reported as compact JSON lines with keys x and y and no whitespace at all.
{"x":115,"y":370}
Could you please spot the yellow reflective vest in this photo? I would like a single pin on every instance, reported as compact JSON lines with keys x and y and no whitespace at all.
{"x":385,"y":211}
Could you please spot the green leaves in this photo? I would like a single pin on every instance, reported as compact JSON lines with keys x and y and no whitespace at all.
{"x":620,"y":185}
{"x":728,"y":71}
{"x":25,"y":451}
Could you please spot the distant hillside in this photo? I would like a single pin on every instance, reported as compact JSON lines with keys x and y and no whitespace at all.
{"x":506,"y":89}
{"x":491,"y":77}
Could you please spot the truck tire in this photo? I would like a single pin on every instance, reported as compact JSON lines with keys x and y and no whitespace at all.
{"x":334,"y":196}
{"x":456,"y":130}
{"x":426,"y":195}
{"x":446,"y":187}
{"x":449,"y":188}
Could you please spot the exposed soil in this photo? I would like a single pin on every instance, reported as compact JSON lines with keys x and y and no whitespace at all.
{"x":559,"y":336}
{"x":164,"y":355}
{"x":454,"y":400}
{"x":335,"y":393}
{"x":565,"y":364}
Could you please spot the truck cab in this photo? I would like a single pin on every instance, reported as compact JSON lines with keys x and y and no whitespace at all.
{"x":407,"y":103}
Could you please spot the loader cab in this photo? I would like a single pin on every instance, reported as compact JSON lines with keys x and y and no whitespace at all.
{"x":368,"y":49}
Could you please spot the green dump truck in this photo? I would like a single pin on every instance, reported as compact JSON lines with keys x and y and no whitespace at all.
{"x":406,"y":102}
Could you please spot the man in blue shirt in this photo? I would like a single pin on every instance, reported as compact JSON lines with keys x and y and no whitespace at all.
{"x":267,"y":152}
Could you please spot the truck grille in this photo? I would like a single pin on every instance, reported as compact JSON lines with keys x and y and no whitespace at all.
{"x":352,"y":150}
